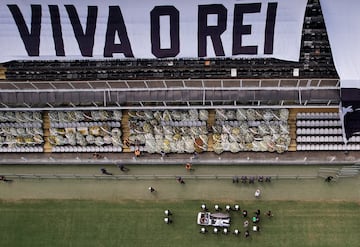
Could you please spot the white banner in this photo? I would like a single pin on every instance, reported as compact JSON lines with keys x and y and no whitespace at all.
{"x":57,"y":29}
{"x":342,"y":22}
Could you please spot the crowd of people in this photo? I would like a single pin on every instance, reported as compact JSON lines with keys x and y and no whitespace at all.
{"x":250,"y":221}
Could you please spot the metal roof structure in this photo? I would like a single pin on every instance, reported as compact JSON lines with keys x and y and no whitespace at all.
{"x":174,"y":94}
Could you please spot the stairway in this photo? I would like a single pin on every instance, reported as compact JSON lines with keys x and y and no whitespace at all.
{"x":210,"y":122}
{"x":292,"y":126}
{"x":2,"y":73}
{"x":125,"y":129}
{"x":46,"y":128}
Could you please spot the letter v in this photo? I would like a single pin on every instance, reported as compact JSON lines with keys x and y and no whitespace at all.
{"x":31,"y":39}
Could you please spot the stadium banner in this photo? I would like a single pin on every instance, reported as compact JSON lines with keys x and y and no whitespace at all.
{"x":72,"y":29}
{"x":342,"y":22}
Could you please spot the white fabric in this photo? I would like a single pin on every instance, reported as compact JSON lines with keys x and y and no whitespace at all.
{"x":342,"y":22}
{"x":287,"y":31}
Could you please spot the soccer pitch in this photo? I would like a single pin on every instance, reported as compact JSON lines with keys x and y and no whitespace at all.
{"x":82,"y":212}
{"x":140,"y":223}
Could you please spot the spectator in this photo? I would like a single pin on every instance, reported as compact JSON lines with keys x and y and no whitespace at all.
{"x":137,"y":153}
{"x":96,"y":156}
{"x":195,"y":156}
{"x":163,"y":154}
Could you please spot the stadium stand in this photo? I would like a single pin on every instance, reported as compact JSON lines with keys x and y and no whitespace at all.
{"x":168,"y":105}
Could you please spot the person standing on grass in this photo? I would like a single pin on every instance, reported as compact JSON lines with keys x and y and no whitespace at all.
{"x":123,"y":168}
{"x":151,"y":189}
{"x":105,"y":172}
{"x":2,"y":178}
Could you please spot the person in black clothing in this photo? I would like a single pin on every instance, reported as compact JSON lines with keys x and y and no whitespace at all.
{"x":251,"y":180}
{"x":123,"y":168}
{"x":257,"y":212}
{"x":246,"y":234}
{"x":105,"y":172}
{"x":2,"y":178}
{"x":328,"y":179}
{"x":180,"y":180}
{"x":244,"y":213}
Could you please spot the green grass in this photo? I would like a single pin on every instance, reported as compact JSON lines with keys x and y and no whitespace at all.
{"x":140,"y":223}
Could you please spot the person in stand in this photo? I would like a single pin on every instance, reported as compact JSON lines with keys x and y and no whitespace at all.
{"x":96,"y":156}
{"x":137,"y":153}
{"x":105,"y":172}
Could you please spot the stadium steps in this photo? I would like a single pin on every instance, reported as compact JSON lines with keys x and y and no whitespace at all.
{"x":211,"y":122}
{"x":2,"y":73}
{"x":125,"y":129}
{"x":46,"y":128}
{"x":292,"y":126}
